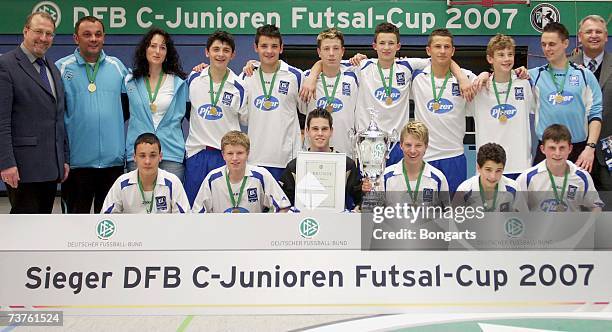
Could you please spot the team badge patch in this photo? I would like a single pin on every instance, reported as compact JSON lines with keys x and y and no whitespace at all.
{"x":160,"y":203}
{"x":400,"y":78}
{"x":571,"y":192}
{"x":68,"y":74}
{"x":428,"y":195}
{"x":283,"y":87}
{"x":227,"y":98}
{"x":252,"y":195}
{"x":346,"y":89}
{"x":455,"y":89}
{"x":519,"y":94}
{"x":574,"y":80}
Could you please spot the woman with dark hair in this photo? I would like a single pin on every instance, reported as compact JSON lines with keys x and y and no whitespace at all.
{"x":157,"y":92}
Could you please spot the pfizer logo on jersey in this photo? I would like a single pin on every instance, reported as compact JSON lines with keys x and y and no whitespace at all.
{"x":266,"y":104}
{"x":560,"y":99}
{"x":444,"y":106}
{"x":504,"y":111}
{"x":381,"y":95}
{"x":207,"y":112}
{"x":553,"y":205}
{"x":336,"y":104}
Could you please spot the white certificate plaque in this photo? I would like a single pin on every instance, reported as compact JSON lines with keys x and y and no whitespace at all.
{"x":320,"y":180}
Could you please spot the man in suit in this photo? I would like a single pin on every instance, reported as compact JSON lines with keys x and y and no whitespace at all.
{"x":593,"y":35}
{"x":33,"y":148}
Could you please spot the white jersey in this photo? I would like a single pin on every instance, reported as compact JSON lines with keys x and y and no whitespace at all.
{"x":506,"y":124}
{"x":468,"y":194}
{"x":260,"y":191}
{"x":275,"y":130}
{"x":433,"y":189}
{"x":580,"y":191}
{"x":343,"y":105}
{"x":125,"y":196}
{"x":372,"y":93}
{"x":447,"y":124}
{"x":207,"y":126}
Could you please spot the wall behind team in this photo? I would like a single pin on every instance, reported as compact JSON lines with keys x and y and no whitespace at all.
{"x":304,"y":17}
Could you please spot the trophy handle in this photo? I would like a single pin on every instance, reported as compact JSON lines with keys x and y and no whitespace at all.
{"x":393,"y":140}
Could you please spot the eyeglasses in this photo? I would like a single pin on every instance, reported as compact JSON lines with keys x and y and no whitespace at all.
{"x":42,"y":33}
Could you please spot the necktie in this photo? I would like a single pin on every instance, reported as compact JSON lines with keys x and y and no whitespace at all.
{"x":43,"y":72}
{"x":592,"y":65}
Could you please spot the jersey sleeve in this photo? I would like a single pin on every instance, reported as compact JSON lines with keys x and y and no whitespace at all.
{"x":353,"y":183}
{"x":203,"y":200}
{"x":275,"y":198}
{"x":113,"y":203}
{"x":287,"y":183}
{"x":444,"y":194}
{"x":243,"y":110}
{"x":591,"y":94}
{"x":180,"y":203}
{"x":591,"y":196}
{"x":124,"y":73}
{"x":418,"y":63}
{"x":459,"y":196}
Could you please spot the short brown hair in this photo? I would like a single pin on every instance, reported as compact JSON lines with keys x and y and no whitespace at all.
{"x":500,"y":42}
{"x":91,"y":19}
{"x":235,"y":137}
{"x":331,"y":33}
{"x":387,"y":27}
{"x":416,"y":129}
{"x":319,"y":113}
{"x":440,"y":33}
{"x":493,"y":152}
{"x":559,"y":28}
{"x":557,"y":133}
{"x":44,"y":15}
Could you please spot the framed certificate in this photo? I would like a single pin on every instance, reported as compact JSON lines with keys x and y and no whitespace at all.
{"x":320,"y":180}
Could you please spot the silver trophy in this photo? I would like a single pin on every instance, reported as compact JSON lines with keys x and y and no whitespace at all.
{"x":372,"y":146}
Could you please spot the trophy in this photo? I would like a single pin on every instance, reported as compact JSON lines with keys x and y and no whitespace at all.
{"x":372,"y":147}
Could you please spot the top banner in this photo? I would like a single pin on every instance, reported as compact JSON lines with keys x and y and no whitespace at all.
{"x":304,"y":17}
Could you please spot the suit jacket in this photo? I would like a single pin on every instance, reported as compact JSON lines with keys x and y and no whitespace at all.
{"x":605,"y":82}
{"x":32,"y":135}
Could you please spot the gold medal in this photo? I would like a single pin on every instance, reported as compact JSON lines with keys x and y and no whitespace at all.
{"x":212,"y":111}
{"x":236,"y":210}
{"x":329,"y":108}
{"x":153,"y":107}
{"x":503,"y":118}
{"x":561,"y":207}
{"x":558,"y":98}
{"x":389,"y":100}
{"x":91,"y":87}
{"x":436,"y":106}
{"x":267,"y":104}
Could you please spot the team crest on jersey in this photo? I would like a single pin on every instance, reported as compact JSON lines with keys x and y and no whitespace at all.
{"x":160,"y":203}
{"x":455,"y":89}
{"x":346,"y":89}
{"x":283,"y":87}
{"x":400,"y":78}
{"x":443,"y":106}
{"x":504,"y":207}
{"x":381,"y":95}
{"x":227,"y":98}
{"x":68,"y":75}
{"x":503,"y":112}
{"x":266,"y":105}
{"x":252,"y":195}
{"x":336,"y":104}
{"x":207,"y":112}
{"x":566,"y":98}
{"x":131,"y":87}
{"x":574,"y":80}
{"x":519,"y":93}
{"x":571,"y":192}
{"x":428,"y":195}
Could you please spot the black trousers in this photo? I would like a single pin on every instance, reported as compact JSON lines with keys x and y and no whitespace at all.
{"x":87,"y":185}
{"x":35,"y":197}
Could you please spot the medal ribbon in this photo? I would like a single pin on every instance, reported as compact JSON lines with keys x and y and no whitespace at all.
{"x":152,"y":96}
{"x":483,"y":198}
{"x":215,"y":99}
{"x":552,"y":75}
{"x":267,"y":94}
{"x":330,"y":98}
{"x":413,"y":194}
{"x":387,"y":85}
{"x":92,"y":72}
{"x":231,"y":193}
{"x":437,"y":96}
{"x":144,"y":200}
{"x":558,"y":197}
{"x":497,"y":93}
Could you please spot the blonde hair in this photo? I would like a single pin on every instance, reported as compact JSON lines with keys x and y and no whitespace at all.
{"x":416,"y":129}
{"x":499,"y":42}
{"x":236,"y":137}
{"x":331,"y":33}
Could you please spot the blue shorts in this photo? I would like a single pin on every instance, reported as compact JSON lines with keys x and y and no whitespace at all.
{"x":275,"y":171}
{"x":455,"y":170}
{"x":197,"y":167}
{"x":395,"y":155}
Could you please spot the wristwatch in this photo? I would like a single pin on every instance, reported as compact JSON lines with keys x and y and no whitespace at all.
{"x":591,"y":145}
